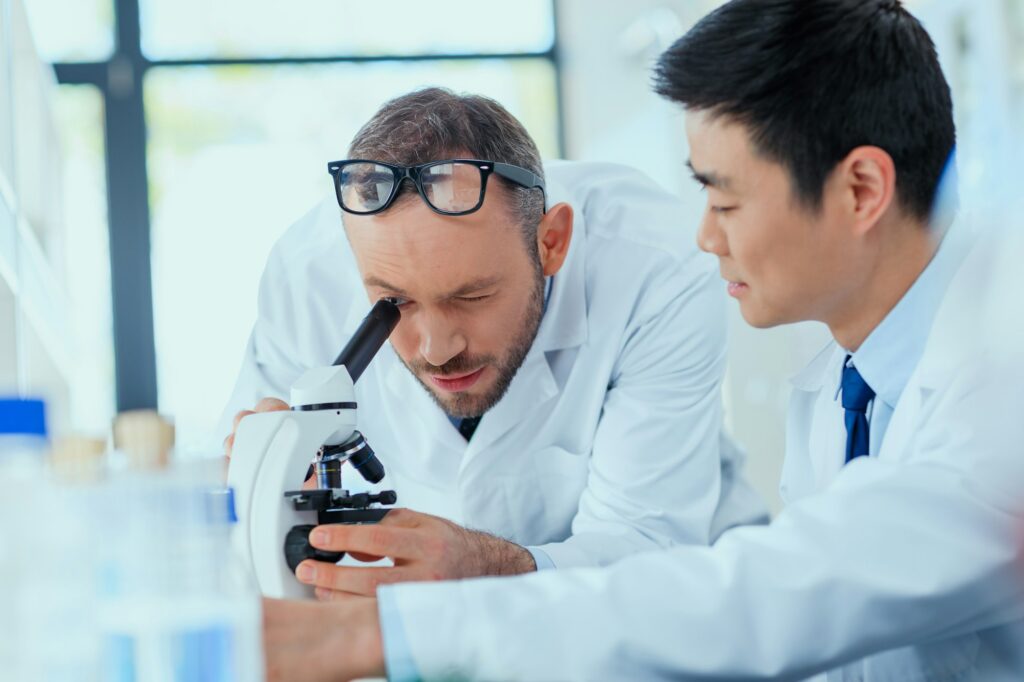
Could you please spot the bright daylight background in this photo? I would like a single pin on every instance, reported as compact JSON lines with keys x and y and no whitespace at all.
{"x":249,"y":99}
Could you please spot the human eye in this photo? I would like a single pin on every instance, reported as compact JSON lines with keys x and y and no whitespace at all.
{"x":473,"y":299}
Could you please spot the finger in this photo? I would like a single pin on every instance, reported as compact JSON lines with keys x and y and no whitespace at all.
{"x":271,"y":405}
{"x":229,"y":443}
{"x":400,"y":517}
{"x":365,"y":558}
{"x":375,"y":538}
{"x":354,"y":580}
{"x":239,"y":417}
{"x":324,"y":594}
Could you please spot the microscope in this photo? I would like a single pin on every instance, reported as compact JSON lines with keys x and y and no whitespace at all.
{"x":273,"y":452}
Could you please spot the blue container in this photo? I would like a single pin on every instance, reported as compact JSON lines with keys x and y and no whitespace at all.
{"x":22,"y":417}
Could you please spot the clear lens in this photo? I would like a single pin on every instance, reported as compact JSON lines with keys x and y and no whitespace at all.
{"x":366,"y":186}
{"x":452,"y":187}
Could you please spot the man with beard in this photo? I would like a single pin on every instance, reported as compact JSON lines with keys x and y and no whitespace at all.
{"x":555,"y":377}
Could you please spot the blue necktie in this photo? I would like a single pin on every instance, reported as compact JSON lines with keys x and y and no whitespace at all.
{"x":856,"y":396}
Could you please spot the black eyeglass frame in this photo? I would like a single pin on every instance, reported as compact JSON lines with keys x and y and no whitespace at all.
{"x":515,"y":174}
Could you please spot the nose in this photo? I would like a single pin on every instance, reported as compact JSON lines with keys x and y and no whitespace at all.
{"x":710,"y":237}
{"x":440,"y":341}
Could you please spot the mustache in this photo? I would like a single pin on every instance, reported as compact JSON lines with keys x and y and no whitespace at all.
{"x":460,"y":364}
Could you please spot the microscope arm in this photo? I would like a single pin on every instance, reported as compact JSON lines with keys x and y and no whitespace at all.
{"x":265,"y":516}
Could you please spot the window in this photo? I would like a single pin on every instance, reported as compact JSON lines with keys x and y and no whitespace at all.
{"x":276,"y":88}
{"x":198,"y":29}
{"x":72,"y":30}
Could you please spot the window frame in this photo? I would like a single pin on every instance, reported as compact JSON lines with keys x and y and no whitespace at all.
{"x":120,"y":80}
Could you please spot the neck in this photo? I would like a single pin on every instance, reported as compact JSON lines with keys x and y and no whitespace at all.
{"x":902,"y":255}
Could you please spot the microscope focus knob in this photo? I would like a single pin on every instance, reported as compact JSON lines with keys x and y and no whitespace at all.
{"x":297,"y":548}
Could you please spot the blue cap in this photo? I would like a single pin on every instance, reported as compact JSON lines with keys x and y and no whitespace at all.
{"x":220,"y":506}
{"x":22,"y":416}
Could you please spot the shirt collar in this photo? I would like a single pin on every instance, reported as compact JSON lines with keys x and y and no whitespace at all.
{"x":892,"y":351}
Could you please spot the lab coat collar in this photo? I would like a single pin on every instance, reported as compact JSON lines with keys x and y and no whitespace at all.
{"x":958,"y":320}
{"x":812,"y":377}
{"x":824,"y":370}
{"x":563,"y":327}
{"x":565,"y":321}
{"x":889,"y":355}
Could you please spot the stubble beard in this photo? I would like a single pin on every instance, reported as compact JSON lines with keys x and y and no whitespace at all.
{"x":462,"y":405}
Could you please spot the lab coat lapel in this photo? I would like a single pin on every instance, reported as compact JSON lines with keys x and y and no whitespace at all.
{"x":934,"y":368}
{"x":825,"y":428}
{"x":532,"y":388}
{"x":902,"y":427}
{"x":410,"y":401}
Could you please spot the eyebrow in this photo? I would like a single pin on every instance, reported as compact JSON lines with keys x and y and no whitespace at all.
{"x":468,"y":287}
{"x":709,"y":179}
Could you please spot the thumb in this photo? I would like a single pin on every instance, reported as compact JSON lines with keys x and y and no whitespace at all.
{"x":271,"y":405}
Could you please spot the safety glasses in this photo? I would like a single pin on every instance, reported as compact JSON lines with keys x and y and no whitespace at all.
{"x":453,"y":187}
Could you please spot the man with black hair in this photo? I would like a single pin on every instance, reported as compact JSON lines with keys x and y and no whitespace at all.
{"x":821,"y":130}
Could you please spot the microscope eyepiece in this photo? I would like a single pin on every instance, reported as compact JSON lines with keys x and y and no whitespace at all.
{"x":371,"y":335}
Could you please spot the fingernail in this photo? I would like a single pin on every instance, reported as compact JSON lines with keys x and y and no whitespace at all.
{"x":318,"y":536}
{"x":305,"y":572}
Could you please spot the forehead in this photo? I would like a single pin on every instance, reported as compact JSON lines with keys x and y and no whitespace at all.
{"x":420,"y":251}
{"x":716,"y":139}
{"x":721,"y":146}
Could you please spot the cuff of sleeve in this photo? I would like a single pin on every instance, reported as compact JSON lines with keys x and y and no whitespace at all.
{"x":398,"y":658}
{"x":541,"y":558}
{"x":566,"y":554}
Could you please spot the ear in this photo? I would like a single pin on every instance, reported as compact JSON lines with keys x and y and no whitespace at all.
{"x":868,"y":179}
{"x":554,"y":234}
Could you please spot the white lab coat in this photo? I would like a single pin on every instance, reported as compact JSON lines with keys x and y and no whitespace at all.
{"x":608,"y":440}
{"x":901,"y":567}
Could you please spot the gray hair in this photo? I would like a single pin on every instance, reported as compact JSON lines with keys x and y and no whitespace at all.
{"x":435,"y":123}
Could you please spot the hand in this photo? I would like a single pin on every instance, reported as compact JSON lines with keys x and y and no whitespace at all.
{"x":307,"y":641}
{"x":265,"y":405}
{"x":422,"y":547}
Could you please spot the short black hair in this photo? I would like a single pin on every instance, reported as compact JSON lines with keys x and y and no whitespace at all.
{"x":814,"y":79}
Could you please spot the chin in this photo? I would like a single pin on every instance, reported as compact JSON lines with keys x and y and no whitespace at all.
{"x":760,"y":318}
{"x":461,"y":406}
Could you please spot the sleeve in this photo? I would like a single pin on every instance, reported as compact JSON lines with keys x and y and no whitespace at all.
{"x":541,"y":559}
{"x":398,"y":659}
{"x":654,"y":477}
{"x":894,"y":553}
